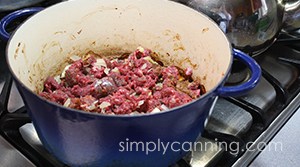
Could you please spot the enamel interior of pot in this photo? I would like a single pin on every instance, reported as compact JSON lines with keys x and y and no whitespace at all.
{"x":182,"y":36}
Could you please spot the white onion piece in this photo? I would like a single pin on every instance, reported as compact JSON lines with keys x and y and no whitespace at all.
{"x":57,"y":79}
{"x":112,"y":113}
{"x":141,"y":102}
{"x":155,"y":110}
{"x":116,"y":70}
{"x":67,"y":102}
{"x":106,"y":71}
{"x":92,"y":106}
{"x":63,"y":74}
{"x":160,"y":85}
{"x":100,"y":62}
{"x":104,"y":104}
{"x":75,"y":58}
{"x":148,"y":58}
{"x":141,"y":49}
{"x":135,"y":113}
{"x":133,"y":94}
{"x":164,"y":107}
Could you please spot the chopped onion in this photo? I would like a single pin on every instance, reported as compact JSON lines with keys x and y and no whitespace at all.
{"x":148,"y":58}
{"x":67,"y":102}
{"x":114,"y":60}
{"x":104,"y":104}
{"x":57,"y":79}
{"x":100,"y":62}
{"x":63,"y":74}
{"x":106,"y":71}
{"x":112,"y":113}
{"x":160,"y":85}
{"x":141,"y":49}
{"x":141,"y":102}
{"x":116,"y":70}
{"x":75,"y":58}
{"x":155,"y":110}
{"x":135,"y":113}
{"x":92,"y":106}
{"x":164,"y":107}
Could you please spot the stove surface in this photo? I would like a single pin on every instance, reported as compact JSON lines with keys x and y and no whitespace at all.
{"x":253,"y":118}
{"x":285,"y":153}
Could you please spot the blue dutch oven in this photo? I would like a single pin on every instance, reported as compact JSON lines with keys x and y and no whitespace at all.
{"x":42,"y":45}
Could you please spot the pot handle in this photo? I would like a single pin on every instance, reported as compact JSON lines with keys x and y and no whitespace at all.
{"x":248,"y":85}
{"x":4,"y":35}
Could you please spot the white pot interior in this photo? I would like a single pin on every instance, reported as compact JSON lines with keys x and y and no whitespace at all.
{"x":182,"y":36}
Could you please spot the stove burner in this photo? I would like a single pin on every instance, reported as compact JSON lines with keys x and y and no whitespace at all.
{"x":239,"y":74}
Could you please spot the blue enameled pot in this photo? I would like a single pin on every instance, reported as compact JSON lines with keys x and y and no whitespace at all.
{"x":42,"y":45}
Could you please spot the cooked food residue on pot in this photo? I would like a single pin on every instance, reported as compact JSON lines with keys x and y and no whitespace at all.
{"x":132,"y":83}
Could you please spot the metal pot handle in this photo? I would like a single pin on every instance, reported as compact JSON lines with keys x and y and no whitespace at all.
{"x":4,"y":35}
{"x":248,"y":85}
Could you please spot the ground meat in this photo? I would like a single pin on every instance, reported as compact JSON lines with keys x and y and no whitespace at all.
{"x":133,"y":83}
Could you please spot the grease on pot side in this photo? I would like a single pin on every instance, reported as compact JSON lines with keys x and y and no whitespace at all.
{"x":131,"y":83}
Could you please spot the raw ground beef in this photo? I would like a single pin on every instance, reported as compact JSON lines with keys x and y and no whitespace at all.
{"x":131,"y":84}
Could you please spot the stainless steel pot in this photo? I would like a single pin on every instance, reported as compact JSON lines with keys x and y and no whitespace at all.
{"x":253,"y":25}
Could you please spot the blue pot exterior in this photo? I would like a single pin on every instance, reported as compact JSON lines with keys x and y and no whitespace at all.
{"x":79,"y":138}
{"x":83,"y":139}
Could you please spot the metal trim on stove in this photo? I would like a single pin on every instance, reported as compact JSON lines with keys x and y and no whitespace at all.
{"x":269,"y":133}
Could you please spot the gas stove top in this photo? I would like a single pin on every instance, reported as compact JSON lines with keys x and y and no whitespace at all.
{"x":234,"y":131}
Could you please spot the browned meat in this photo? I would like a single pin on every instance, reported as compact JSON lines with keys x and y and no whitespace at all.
{"x":134,"y":83}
